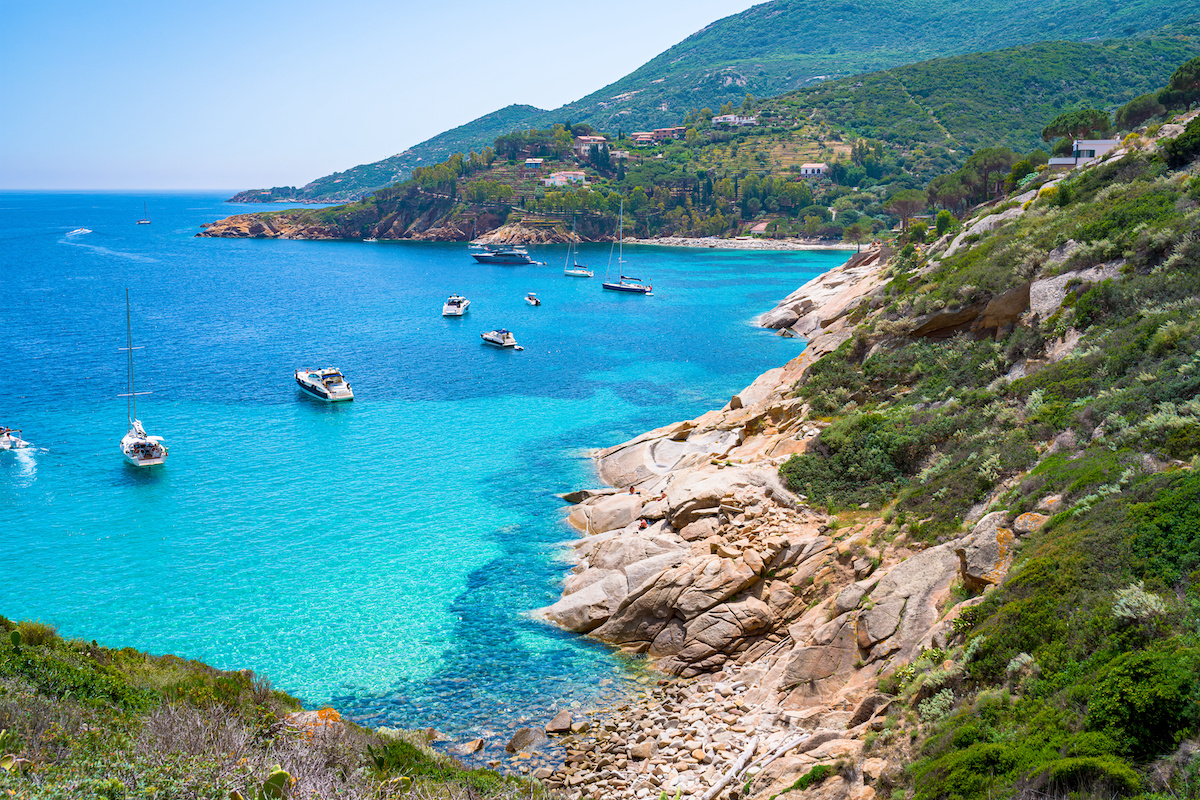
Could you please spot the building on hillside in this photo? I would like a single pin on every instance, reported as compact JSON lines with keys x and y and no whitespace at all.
{"x":534,"y":164}
{"x":642,"y":138}
{"x":619,"y":155}
{"x":1084,"y":151}
{"x":662,"y":134}
{"x":817,"y":170}
{"x":734,"y":120}
{"x":583,"y":144}
{"x":760,"y":228}
{"x":564,"y":177}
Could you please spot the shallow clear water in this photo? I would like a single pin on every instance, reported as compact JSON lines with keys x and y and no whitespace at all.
{"x":380,"y":555}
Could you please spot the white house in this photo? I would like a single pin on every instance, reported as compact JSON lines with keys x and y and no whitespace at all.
{"x":1084,"y":151}
{"x":564,"y":177}
{"x":813,"y":170}
{"x":735,"y":120}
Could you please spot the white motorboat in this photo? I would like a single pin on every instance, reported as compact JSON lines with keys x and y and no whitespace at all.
{"x":455,"y":306}
{"x":532,"y":299}
{"x":501,"y":338}
{"x":139,"y":448}
{"x":79,"y":231}
{"x":10,"y":439}
{"x":324,"y":384}
{"x":370,"y":239}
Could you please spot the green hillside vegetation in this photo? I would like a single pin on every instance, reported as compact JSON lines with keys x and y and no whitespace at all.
{"x":938,"y":109}
{"x":777,"y":47}
{"x":720,"y":181}
{"x":1080,"y":675}
{"x":79,"y":720}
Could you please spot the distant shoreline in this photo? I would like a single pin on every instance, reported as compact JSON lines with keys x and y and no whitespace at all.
{"x":743,"y":243}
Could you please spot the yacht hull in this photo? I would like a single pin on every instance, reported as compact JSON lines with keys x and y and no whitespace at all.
{"x":628,"y":288}
{"x":313,"y":391}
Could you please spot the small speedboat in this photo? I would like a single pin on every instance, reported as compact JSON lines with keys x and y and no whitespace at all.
{"x":456,"y":306}
{"x":324,"y":384}
{"x":501,"y":338}
{"x":370,"y":239}
{"x":10,"y":439}
{"x":532,"y":299}
{"x":79,"y":231}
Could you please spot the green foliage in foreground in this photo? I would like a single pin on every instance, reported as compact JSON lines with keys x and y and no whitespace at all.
{"x":80,"y":720}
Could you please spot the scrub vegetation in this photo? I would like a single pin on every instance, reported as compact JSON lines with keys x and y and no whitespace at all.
{"x":82,"y":721}
{"x":1079,"y":676}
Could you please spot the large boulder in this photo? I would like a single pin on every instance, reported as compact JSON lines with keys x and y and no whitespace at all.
{"x":613,"y":512}
{"x":987,"y":553}
{"x":589,"y":607}
{"x":699,"y":494}
{"x":716,"y":631}
{"x":820,"y":661}
{"x":687,"y":591}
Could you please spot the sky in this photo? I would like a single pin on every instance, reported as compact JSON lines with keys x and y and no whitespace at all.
{"x":114,"y":95}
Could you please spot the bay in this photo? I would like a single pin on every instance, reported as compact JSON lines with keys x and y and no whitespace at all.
{"x":383,"y":555}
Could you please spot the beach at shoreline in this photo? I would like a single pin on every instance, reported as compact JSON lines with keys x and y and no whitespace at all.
{"x":744,"y":243}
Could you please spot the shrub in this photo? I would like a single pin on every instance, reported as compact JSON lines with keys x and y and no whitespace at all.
{"x":936,"y":708}
{"x":36,"y":634}
{"x":1147,"y":701}
{"x":1135,"y":604}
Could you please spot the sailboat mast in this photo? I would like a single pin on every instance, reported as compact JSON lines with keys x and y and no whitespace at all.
{"x":621,"y":237}
{"x":131,"y":405}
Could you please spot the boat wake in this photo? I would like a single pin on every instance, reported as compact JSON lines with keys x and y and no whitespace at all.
{"x":75,"y":242}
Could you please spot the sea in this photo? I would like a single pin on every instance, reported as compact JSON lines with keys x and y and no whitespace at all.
{"x":381,"y":556}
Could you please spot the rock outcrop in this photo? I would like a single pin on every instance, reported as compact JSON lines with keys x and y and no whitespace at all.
{"x":702,"y":560}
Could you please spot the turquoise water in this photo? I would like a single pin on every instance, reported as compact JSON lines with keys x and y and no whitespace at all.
{"x":379,"y":555}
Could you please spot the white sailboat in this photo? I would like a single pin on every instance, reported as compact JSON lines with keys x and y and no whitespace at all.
{"x":139,"y":448}
{"x":625,"y":283}
{"x":571,"y":268}
{"x":145,"y":220}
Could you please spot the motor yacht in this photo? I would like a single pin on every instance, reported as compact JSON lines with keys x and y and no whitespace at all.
{"x":456,"y":306}
{"x":501,"y":338}
{"x":532,"y":299}
{"x":503,"y":255}
{"x":324,"y":384}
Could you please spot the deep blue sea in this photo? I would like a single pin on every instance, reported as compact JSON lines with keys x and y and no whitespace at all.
{"x":380,"y":555}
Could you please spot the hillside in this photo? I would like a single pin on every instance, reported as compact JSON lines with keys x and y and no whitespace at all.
{"x":951,"y":551}
{"x":943,"y":102}
{"x":882,"y":135}
{"x":765,"y":51}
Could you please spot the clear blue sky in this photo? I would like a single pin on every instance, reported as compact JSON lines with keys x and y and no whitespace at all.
{"x":239,"y":95}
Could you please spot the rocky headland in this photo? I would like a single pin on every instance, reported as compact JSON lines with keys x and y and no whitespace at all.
{"x":777,"y":620}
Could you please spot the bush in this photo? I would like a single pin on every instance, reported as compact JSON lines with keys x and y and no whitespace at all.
{"x":1147,"y":701}
{"x":1180,"y":150}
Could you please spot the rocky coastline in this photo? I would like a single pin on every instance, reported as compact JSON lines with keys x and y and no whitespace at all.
{"x":775,"y":623}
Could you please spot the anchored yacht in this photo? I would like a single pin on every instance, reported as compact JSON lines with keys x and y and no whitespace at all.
{"x":324,"y":384}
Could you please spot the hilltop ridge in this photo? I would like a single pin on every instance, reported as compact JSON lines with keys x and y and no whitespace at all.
{"x":770,"y":49}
